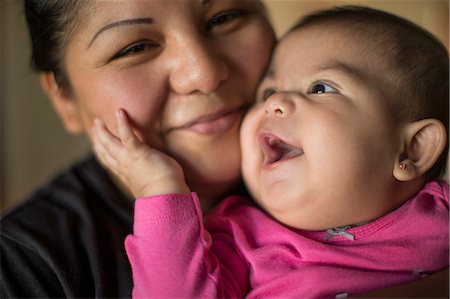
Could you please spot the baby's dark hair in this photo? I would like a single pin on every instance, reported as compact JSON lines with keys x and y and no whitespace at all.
{"x":418,"y":63}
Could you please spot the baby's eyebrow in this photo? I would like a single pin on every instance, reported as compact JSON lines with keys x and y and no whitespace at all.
{"x":346,"y":69}
{"x":270,"y":74}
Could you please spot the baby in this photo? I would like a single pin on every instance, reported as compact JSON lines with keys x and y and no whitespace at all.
{"x":342,"y":153}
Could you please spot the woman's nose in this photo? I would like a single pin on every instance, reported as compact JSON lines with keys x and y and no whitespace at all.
{"x":197,"y":66}
{"x":279,"y":104}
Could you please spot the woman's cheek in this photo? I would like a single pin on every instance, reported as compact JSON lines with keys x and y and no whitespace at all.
{"x":135,"y":96}
{"x":259,"y":43}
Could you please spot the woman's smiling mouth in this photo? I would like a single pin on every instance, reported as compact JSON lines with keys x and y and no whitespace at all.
{"x":276,"y":150}
{"x":214,"y":123}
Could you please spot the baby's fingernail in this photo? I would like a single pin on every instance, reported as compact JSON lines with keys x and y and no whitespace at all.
{"x":120,"y":114}
{"x":97,"y":121}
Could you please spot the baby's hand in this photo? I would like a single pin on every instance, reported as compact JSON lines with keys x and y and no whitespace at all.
{"x":145,"y":170}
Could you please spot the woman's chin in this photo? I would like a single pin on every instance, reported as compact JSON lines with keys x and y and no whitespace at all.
{"x":214,"y":185}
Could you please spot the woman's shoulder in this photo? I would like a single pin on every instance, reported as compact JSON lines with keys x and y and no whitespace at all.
{"x":68,"y":237}
{"x":70,"y":194}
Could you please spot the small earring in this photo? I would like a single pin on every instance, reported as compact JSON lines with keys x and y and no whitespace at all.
{"x":402,"y":166}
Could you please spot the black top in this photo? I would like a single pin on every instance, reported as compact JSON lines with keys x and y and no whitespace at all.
{"x":67,"y":239}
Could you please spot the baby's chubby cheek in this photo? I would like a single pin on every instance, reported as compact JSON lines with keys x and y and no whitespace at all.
{"x":252,"y":157}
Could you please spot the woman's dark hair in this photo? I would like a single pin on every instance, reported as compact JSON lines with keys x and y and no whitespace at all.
{"x":418,"y":63}
{"x":50,"y":24}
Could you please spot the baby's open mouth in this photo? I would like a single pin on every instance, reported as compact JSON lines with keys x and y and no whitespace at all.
{"x":276,"y":150}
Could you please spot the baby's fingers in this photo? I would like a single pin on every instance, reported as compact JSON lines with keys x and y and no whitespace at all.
{"x":126,"y":133}
{"x":103,"y":155}
{"x":106,"y":138}
{"x":111,"y":146}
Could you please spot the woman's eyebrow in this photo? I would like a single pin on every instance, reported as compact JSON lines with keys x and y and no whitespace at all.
{"x":121,"y":23}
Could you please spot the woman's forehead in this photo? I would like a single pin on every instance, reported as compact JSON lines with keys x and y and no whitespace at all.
{"x":157,"y":8}
{"x":101,"y":14}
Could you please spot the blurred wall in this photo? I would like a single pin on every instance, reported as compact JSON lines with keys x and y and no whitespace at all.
{"x":430,"y":14}
{"x":34,"y":146}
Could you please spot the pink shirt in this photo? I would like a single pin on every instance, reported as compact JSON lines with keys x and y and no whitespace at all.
{"x":245,"y":253}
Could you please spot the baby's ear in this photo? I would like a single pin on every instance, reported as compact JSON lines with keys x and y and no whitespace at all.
{"x":423,"y":143}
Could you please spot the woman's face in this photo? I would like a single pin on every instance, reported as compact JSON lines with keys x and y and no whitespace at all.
{"x":184,"y":70}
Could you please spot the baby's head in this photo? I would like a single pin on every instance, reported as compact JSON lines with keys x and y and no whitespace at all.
{"x":351,"y":119}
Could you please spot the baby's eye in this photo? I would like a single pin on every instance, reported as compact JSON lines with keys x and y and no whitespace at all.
{"x":267,"y":93}
{"x":321,"y":87}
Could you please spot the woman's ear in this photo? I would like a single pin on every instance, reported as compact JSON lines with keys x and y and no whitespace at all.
{"x":424,"y":142}
{"x":64,"y":105}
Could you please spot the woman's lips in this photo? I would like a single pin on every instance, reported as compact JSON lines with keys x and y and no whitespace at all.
{"x":214,"y":123}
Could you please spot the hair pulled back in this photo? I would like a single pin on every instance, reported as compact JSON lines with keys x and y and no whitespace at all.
{"x":50,"y":24}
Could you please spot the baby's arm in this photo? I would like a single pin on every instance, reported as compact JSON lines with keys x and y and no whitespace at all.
{"x":170,"y":250}
{"x":145,"y":170}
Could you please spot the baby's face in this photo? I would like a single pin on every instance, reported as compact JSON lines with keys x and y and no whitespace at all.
{"x":319,"y":147}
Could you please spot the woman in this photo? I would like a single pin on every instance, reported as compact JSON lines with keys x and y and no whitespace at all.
{"x":185,"y":71}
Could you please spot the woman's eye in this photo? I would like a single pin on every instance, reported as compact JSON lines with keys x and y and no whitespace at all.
{"x":267,"y":93}
{"x":224,"y":18}
{"x":318,"y":88}
{"x":135,"y":49}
